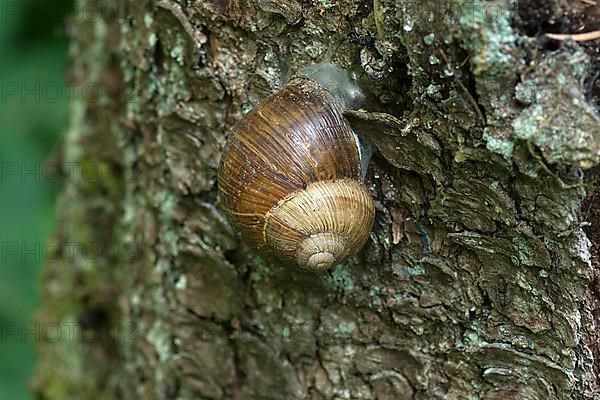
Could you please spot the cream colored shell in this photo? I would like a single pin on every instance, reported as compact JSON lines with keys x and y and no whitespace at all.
{"x":290,"y":179}
{"x":321,"y":225}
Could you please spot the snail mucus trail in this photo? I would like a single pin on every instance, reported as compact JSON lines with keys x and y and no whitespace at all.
{"x":290,"y":176}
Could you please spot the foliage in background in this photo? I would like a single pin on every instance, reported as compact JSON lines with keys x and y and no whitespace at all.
{"x":33,"y":48}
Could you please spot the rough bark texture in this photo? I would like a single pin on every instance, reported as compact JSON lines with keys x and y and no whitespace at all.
{"x":475,"y":282}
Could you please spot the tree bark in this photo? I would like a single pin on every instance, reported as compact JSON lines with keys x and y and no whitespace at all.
{"x":476,"y":280}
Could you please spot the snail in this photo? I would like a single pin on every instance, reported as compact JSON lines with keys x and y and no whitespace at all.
{"x":290,"y":175}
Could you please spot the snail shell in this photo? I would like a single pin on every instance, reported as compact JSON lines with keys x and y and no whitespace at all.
{"x":290,"y":179}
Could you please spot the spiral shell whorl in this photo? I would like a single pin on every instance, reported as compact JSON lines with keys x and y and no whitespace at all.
{"x":321,"y":225}
{"x":290,"y":178}
{"x":321,"y":251}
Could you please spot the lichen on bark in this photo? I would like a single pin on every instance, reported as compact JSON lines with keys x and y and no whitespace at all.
{"x":473,"y":283}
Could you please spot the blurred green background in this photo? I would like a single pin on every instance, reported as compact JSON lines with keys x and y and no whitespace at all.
{"x":33,"y":56}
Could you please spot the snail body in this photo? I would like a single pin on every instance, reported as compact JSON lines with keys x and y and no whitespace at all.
{"x":290,"y":178}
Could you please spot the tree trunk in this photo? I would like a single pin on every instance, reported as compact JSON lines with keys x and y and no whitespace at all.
{"x":477,"y":278}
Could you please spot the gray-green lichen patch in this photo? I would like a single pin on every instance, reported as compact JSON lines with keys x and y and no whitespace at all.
{"x":160,"y":338}
{"x":502,"y":146}
{"x":490,"y":38}
{"x":488,"y":26}
{"x":341,"y":279}
{"x":559,"y":120}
